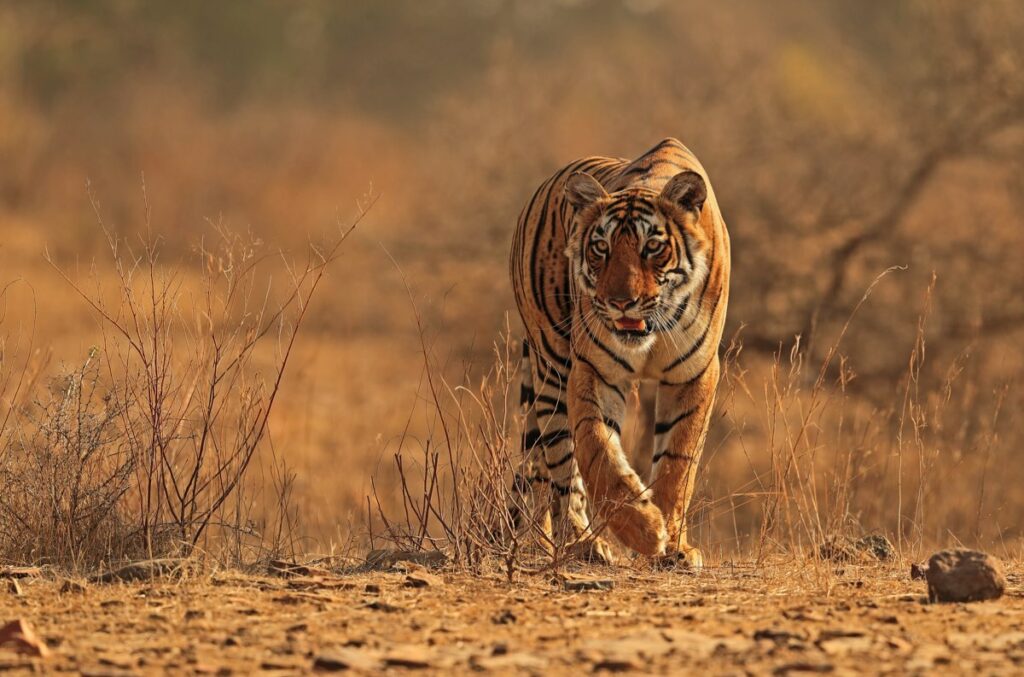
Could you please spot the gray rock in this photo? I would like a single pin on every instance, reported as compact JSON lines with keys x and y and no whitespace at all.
{"x":583,"y":585}
{"x":862,"y":550}
{"x":383,"y":559}
{"x":144,"y":570}
{"x":877,"y":546}
{"x":964,"y":576}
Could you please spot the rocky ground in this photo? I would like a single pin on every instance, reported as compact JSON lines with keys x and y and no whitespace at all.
{"x":789,"y":617}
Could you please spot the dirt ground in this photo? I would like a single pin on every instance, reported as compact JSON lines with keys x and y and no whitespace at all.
{"x":784,"y":618}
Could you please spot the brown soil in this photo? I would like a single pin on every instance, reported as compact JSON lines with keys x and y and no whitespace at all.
{"x":801,"y":617}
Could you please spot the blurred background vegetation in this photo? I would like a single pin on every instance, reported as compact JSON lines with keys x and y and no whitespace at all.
{"x":842,"y":138}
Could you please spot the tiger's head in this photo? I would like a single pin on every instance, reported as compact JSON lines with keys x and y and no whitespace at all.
{"x":637,"y":253}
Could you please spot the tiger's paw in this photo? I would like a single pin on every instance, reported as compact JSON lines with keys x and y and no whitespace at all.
{"x":687,"y":558}
{"x":640,"y":526}
{"x":592,"y":550}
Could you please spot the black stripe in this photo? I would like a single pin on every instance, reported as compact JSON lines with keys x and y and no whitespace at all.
{"x":556,"y":402}
{"x":562,"y":461}
{"x":550,"y":352}
{"x":562,"y":491}
{"x":689,"y":254}
{"x":552,"y":438}
{"x":668,"y":454}
{"x":625,"y":365}
{"x":689,"y":353}
{"x":601,"y":377}
{"x":641,"y":207}
{"x":662,"y":428}
{"x":537,"y":282}
{"x":700,"y":341}
{"x":681,"y":309}
{"x":667,"y":141}
{"x":693,"y":379}
{"x":614,"y":425}
{"x":704,"y":289}
{"x":526,"y":395}
{"x":557,"y":384}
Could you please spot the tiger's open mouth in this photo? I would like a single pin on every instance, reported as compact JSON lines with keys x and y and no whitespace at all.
{"x":629,"y":326}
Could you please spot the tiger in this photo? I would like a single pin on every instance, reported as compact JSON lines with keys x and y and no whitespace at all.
{"x":620,"y":271}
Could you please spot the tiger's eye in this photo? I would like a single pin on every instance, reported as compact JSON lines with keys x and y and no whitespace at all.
{"x":599,"y":247}
{"x":654,"y":247}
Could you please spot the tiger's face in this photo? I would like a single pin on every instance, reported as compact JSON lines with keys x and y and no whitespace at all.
{"x":637,"y":254}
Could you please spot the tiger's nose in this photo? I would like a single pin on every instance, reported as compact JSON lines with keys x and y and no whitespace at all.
{"x":623,"y":303}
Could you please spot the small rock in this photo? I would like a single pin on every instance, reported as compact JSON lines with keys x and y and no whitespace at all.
{"x":14,"y":587}
{"x":422,"y":579}
{"x":122,"y":661}
{"x":510,"y":663}
{"x":876,"y":545}
{"x":72,"y":587}
{"x":340,"y":659}
{"x":862,"y":550}
{"x":279,"y":567}
{"x":583,"y":585}
{"x":927,"y":656}
{"x":838,"y":549}
{"x":290,"y":666}
{"x":319,"y":583}
{"x":917,"y":571}
{"x":964,"y":576}
{"x":410,"y":657}
{"x":378,"y":605}
{"x":803,"y":666}
{"x":778,"y":635}
{"x":144,"y":570}
{"x":617,"y":664}
{"x":504,"y":617}
{"x":386,"y":559}
{"x":841,"y":646}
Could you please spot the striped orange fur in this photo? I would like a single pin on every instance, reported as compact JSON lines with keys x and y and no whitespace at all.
{"x":621,"y":274}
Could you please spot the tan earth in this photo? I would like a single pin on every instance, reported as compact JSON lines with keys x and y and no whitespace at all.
{"x":800,"y":616}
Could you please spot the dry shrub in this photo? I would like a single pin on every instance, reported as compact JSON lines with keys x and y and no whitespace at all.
{"x":145,"y":450}
{"x":814,"y":461}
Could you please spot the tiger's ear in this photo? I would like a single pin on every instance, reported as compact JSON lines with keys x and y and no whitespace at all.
{"x":686,"y":189}
{"x":583,"y":190}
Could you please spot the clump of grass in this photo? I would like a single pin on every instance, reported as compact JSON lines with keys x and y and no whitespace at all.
{"x":146,"y":448}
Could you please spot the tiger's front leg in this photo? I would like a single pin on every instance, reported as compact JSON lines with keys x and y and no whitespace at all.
{"x":568,"y":502}
{"x":618,"y":496}
{"x":683,"y":413}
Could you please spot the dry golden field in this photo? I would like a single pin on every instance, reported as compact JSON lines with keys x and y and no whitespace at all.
{"x":253,"y":274}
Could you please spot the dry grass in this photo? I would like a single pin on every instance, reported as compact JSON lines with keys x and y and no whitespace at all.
{"x":145,"y":450}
